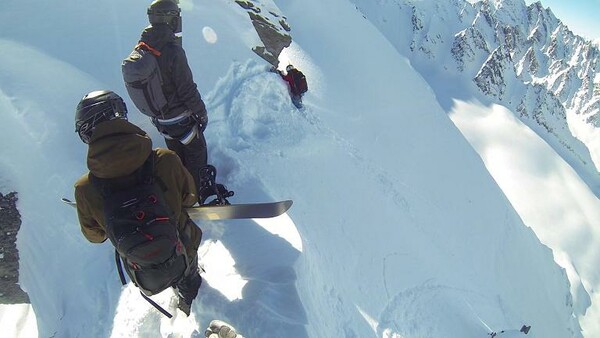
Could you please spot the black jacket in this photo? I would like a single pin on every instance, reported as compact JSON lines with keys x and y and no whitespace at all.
{"x":178,"y":84}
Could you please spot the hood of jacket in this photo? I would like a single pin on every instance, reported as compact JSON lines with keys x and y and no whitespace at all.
{"x":158,"y":36}
{"x":117,"y":148}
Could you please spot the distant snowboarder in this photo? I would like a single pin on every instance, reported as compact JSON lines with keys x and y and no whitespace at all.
{"x":297,"y":84}
{"x":172,"y":98}
{"x":131,"y":186}
{"x":511,"y":333}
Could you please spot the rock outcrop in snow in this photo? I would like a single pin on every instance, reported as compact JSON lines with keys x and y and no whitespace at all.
{"x":10,"y":222}
{"x":272,"y":29}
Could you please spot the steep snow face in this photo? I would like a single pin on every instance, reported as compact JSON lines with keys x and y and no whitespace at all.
{"x":487,"y":42}
{"x":561,"y":217}
{"x":406,"y":287}
{"x":397,"y":227}
{"x":525,"y":59}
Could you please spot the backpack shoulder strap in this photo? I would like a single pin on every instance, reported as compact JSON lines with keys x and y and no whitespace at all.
{"x":142,"y":175}
{"x":146,"y":171}
{"x":143,"y":45}
{"x":154,"y":157}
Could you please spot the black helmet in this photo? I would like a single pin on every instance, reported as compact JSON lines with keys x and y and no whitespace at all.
{"x":96,"y":107}
{"x":167,"y":12}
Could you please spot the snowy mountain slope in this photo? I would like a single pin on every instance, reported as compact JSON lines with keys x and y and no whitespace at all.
{"x":504,"y":52}
{"x":397,"y":227}
{"x":547,"y":71}
{"x":391,"y":149}
{"x":565,"y":219}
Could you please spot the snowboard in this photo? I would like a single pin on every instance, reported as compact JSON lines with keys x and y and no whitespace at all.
{"x":231,"y":211}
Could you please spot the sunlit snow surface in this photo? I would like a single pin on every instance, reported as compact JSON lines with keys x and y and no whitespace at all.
{"x":397,"y":228}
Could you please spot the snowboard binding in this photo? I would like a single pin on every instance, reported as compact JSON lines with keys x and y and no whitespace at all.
{"x":209,"y":187}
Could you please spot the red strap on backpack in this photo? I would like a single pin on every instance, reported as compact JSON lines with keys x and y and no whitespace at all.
{"x":147,"y":47}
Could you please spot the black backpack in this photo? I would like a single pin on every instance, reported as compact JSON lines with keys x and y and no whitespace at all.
{"x":143,"y":80}
{"x":299,"y":81}
{"x":143,"y":229}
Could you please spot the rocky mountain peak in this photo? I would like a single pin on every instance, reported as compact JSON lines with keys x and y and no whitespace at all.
{"x":510,"y":51}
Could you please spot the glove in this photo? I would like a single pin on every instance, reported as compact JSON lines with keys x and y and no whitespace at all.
{"x":220,"y":329}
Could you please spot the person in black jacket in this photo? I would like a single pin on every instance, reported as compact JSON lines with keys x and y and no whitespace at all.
{"x":117,"y":148}
{"x":186,"y":119}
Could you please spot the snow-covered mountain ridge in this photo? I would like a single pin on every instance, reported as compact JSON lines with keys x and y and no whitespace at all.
{"x":497,"y":54}
{"x":519,"y":56}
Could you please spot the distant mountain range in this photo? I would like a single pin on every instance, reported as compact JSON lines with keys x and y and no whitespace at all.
{"x":522,"y":57}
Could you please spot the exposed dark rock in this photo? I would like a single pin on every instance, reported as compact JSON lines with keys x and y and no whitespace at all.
{"x":491,"y":77}
{"x":272,"y":29}
{"x":467,"y":46}
{"x":10,"y":222}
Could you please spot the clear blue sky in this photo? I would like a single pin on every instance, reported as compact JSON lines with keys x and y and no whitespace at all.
{"x":581,"y":16}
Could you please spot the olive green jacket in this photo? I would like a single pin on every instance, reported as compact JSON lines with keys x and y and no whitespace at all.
{"x":117,"y":148}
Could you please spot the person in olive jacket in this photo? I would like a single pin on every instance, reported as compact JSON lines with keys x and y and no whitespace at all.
{"x":118,"y":148}
{"x":186,"y":118}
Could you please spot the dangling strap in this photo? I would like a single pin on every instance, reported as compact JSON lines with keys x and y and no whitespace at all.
{"x":123,"y":281}
{"x":156,"y":306}
{"x":120,"y":268}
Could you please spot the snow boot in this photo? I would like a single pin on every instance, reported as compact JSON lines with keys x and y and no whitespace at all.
{"x":188,"y":288}
{"x":297,"y":101}
{"x":208,"y":187}
{"x":220,"y":329}
{"x":184,"y":306}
